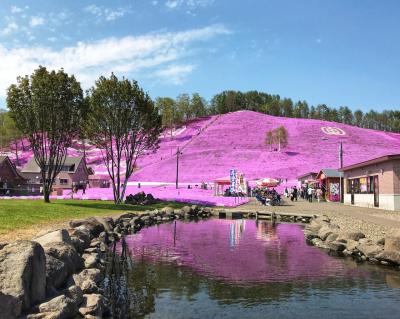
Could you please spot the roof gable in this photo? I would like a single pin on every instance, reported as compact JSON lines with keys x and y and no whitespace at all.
{"x":330,"y":173}
{"x":376,"y":160}
{"x":71,"y":164}
{"x":307,"y":174}
{"x":6,"y":159}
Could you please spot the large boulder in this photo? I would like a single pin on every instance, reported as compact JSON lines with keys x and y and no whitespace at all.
{"x":22,"y":277}
{"x":93,"y":304}
{"x":370,"y":250}
{"x":317,"y":242}
{"x":56,"y":236}
{"x":391,"y":251}
{"x":327,"y":229}
{"x":10,"y":306}
{"x":167,"y":210}
{"x":88,"y":279}
{"x":332,"y":237}
{"x":392,"y":257}
{"x":90,"y":260}
{"x":80,"y":238}
{"x":75,"y":293}
{"x":91,"y":274}
{"x":392,"y":241}
{"x":312,"y":229}
{"x":67,"y":254}
{"x":352,"y":245}
{"x":61,"y":307}
{"x":94,"y":226}
{"x":107,"y":222}
{"x":346,"y":236}
{"x":336,"y":246}
{"x":126,"y":215}
{"x":56,"y":274}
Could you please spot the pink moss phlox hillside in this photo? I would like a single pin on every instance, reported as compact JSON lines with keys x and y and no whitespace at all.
{"x":211,"y":146}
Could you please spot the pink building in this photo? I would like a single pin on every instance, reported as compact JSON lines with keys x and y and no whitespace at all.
{"x":374,"y":183}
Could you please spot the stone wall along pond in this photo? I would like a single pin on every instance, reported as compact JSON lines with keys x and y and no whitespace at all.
{"x":321,"y":232}
{"x":58,"y":274}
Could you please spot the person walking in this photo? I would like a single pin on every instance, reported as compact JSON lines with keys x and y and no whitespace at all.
{"x":310,"y":194}
{"x":295,"y":193}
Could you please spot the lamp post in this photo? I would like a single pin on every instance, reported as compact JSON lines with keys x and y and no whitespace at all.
{"x":177,"y":167}
{"x":340,"y":167}
{"x":340,"y":171}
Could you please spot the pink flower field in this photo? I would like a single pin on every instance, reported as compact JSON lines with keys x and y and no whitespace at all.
{"x":213,"y":145}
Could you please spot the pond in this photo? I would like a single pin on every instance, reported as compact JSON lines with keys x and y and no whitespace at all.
{"x":243,"y":269}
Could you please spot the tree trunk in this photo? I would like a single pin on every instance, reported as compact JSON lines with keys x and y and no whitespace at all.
{"x":121,"y":200}
{"x":117,"y":192}
{"x":46,"y":187}
{"x":16,"y":152}
{"x":46,"y":194}
{"x":114,"y":191}
{"x":84,"y":150}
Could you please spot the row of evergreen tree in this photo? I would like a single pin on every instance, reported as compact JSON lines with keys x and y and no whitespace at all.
{"x":186,"y":107}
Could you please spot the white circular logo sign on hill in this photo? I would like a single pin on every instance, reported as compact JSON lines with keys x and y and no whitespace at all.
{"x":330,"y":130}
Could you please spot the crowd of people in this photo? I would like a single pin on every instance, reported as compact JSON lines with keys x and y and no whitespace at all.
{"x":267,"y":196}
{"x":306,"y":192}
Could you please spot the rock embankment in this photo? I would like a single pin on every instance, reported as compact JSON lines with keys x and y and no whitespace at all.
{"x":323,"y":233}
{"x":58,"y":274}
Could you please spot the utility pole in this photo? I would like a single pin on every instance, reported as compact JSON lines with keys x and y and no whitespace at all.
{"x":177,"y":167}
{"x":340,"y":173}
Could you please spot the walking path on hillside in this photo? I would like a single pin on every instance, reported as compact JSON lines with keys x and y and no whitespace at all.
{"x":182,"y":147}
{"x":375,"y":223}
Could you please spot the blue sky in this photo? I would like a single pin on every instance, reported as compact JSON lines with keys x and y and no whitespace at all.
{"x":338,"y":52}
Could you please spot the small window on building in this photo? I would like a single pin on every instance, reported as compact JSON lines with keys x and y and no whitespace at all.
{"x":370,"y":184}
{"x":363,"y":185}
{"x":63,"y":181}
{"x":354,"y":186}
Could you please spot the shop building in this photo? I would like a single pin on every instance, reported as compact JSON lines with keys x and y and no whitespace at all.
{"x":329,"y":180}
{"x":374,"y":183}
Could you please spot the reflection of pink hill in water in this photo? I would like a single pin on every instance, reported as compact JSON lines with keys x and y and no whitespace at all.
{"x":237,"y":251}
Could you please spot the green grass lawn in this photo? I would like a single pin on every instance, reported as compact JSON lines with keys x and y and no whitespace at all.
{"x":24,"y":213}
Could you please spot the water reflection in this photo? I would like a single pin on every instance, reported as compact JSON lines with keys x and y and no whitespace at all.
{"x":242,"y":269}
{"x":241,"y":251}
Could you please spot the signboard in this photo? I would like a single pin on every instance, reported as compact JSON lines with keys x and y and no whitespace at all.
{"x":334,"y":190}
{"x":233,"y":179}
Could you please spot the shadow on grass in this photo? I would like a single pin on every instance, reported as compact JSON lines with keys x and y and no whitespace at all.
{"x":112,"y":206}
